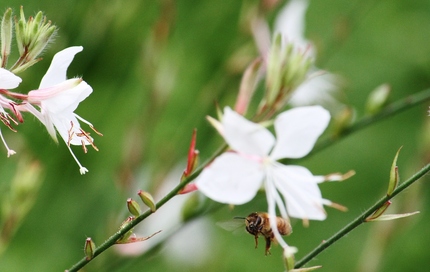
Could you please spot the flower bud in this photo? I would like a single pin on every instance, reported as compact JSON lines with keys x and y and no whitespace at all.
{"x":43,"y":40}
{"x":89,"y":248}
{"x":343,"y":120}
{"x":377,"y":99}
{"x":148,"y":200}
{"x":126,"y":222}
{"x":248,"y":85}
{"x":127,"y":235}
{"x":6,"y":36}
{"x":380,"y":211}
{"x":194,"y":161}
{"x":287,"y":68}
{"x":32,"y":37}
{"x":394,"y":175}
{"x":193,"y":156}
{"x":273,"y":75}
{"x":19,"y":32}
{"x":133,"y":207}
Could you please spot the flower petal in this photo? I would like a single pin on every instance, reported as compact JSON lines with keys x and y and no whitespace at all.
{"x":297,"y":130}
{"x":300,"y":191}
{"x":69,"y":128}
{"x":290,"y":22}
{"x":231,"y":179}
{"x":58,"y":69}
{"x":67,"y":100}
{"x":8,"y":80}
{"x":320,"y":88}
{"x":57,"y":109}
{"x":245,"y":136}
{"x":272,"y":195}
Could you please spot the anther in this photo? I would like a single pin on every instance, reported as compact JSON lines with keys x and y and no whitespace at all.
{"x":95,"y":130}
{"x":84,"y":147}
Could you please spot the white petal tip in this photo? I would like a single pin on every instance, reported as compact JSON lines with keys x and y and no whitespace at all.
{"x":83,"y":170}
{"x":290,"y":251}
{"x":10,"y":152}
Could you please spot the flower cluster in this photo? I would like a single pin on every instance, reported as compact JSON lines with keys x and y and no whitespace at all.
{"x":57,"y":97}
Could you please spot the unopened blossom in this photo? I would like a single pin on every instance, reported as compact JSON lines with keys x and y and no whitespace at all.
{"x":235,"y":176}
{"x":32,"y":36}
{"x":291,"y":76}
{"x":321,"y":87}
{"x":58,"y":98}
{"x":8,"y":80}
{"x":290,"y":23}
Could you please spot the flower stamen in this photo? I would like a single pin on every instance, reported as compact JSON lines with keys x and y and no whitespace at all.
{"x":84,"y":147}
{"x":70,"y":134}
{"x":96,"y":131}
{"x":89,"y":124}
{"x":4,"y":117}
{"x":11,"y":119}
{"x":89,"y":139}
{"x":336,"y":206}
{"x":16,"y":112}
{"x":10,"y":152}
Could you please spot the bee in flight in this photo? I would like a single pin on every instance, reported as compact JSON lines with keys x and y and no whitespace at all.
{"x":257,"y":223}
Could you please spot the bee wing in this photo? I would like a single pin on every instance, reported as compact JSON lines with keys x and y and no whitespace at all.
{"x":232,"y":225}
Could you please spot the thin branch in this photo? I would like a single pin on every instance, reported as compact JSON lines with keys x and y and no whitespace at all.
{"x":392,"y":109}
{"x":361,"y":219}
{"x":115,"y":237}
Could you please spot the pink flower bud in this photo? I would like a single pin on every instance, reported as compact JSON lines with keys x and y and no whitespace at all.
{"x":133,"y":207}
{"x":147,"y":199}
{"x":89,"y":248}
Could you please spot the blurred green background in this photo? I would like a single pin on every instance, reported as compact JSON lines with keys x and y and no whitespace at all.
{"x":157,"y":68}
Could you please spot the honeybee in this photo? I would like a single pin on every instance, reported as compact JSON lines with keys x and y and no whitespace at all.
{"x":257,"y":223}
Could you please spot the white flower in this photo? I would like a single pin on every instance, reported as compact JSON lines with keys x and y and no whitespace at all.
{"x":8,"y":80}
{"x":235,"y":177}
{"x":58,"y":98}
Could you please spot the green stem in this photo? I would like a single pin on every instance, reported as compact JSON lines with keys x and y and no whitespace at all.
{"x":388,"y":111}
{"x":361,"y":219}
{"x":392,"y":109}
{"x":115,"y":237}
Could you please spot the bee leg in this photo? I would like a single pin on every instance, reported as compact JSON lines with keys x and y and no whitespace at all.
{"x":256,"y":241}
{"x":268,"y":242}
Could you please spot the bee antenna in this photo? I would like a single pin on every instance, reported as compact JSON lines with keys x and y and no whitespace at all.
{"x":239,"y":217}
